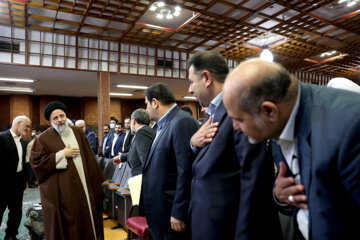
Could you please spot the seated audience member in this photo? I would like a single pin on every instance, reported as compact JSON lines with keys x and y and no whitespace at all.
{"x":69,"y":179}
{"x":317,"y":129}
{"x":144,"y":135}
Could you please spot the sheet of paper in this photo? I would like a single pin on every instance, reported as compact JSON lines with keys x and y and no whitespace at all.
{"x":135,"y":188}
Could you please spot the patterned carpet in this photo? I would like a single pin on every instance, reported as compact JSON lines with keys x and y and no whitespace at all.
{"x":31,"y":196}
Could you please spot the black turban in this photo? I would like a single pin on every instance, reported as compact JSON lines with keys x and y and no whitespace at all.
{"x":53,"y":106}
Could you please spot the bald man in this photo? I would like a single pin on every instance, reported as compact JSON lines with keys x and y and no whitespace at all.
{"x":317,"y":129}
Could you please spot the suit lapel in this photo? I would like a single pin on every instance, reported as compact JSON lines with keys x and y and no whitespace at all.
{"x":303,"y":130}
{"x":13,"y":146}
{"x":219,"y":116}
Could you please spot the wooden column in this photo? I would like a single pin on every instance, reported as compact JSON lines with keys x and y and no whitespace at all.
{"x":103,"y":102}
{"x":20,"y":105}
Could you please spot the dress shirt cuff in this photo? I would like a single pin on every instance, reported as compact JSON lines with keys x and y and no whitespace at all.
{"x":278,"y":202}
{"x":193,"y":149}
{"x":61,"y":162}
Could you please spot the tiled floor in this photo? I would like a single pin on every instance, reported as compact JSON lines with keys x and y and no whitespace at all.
{"x":32,"y":196}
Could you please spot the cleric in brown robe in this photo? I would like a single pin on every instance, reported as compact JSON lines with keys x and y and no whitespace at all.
{"x":69,"y":179}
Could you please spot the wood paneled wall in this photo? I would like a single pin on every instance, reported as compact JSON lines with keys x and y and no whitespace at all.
{"x":78,"y":108}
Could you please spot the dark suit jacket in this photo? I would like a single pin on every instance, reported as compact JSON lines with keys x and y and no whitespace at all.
{"x":167,"y":172}
{"x":92,"y":140}
{"x":231,"y":190}
{"x":105,"y":142}
{"x":328,"y":140}
{"x":127,"y":143}
{"x":139,"y":148}
{"x":9,"y":161}
{"x":118,"y":144}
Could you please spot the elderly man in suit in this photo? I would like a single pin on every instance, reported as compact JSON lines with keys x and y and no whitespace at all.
{"x":140,"y":120}
{"x":229,"y":200}
{"x":89,"y":134}
{"x":317,"y":129}
{"x":13,"y":173}
{"x":167,"y":169}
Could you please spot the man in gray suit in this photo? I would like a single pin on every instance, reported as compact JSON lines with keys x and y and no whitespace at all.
{"x":140,"y":120}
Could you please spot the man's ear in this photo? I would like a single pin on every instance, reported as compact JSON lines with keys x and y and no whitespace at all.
{"x":155,"y":103}
{"x":208,"y":78}
{"x":269,"y":111}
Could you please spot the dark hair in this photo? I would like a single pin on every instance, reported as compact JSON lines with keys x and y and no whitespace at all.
{"x":107,"y":125}
{"x":114,"y":119}
{"x":212,"y":61}
{"x":141,"y":116}
{"x":161,"y":92}
{"x":276,"y":87}
{"x":127,"y":118}
{"x":187,"y":109}
{"x":118,"y":123}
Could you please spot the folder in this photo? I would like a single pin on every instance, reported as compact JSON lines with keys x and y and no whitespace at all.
{"x":135,"y":188}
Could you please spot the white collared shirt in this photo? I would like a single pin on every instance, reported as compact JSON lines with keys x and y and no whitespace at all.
{"x":19,"y":150}
{"x":288,"y":145}
{"x":124,"y":141}
{"x":113,"y":143}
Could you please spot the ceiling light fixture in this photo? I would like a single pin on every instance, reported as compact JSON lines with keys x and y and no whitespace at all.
{"x":164,"y":10}
{"x":131,"y":86}
{"x":121,"y":94}
{"x":17,"y":89}
{"x":327,"y":54}
{"x":6,"y":79}
{"x":266,"y":55}
{"x":342,"y":3}
{"x":190,"y":97}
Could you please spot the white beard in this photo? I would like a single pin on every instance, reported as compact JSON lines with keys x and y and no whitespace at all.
{"x":22,"y":132}
{"x":253,"y":141}
{"x":59,"y":129}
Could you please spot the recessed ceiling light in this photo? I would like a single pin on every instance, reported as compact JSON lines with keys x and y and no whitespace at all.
{"x":190,"y":97}
{"x":121,"y":94}
{"x":131,"y":86}
{"x":17,"y":89}
{"x":16,"y":79}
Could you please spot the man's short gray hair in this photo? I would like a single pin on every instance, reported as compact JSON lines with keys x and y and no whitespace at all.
{"x":79,"y":121}
{"x":141,"y":116}
{"x":20,"y":118}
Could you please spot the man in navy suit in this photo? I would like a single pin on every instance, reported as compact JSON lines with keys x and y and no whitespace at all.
{"x":317,"y":129}
{"x":13,"y":173}
{"x":116,"y":141}
{"x":167,"y":169}
{"x":104,"y":151}
{"x":228,"y":199}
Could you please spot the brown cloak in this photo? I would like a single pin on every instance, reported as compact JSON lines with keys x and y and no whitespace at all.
{"x":65,"y":209}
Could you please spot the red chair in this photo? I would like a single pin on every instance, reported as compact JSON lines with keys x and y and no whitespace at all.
{"x":137,"y":227}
